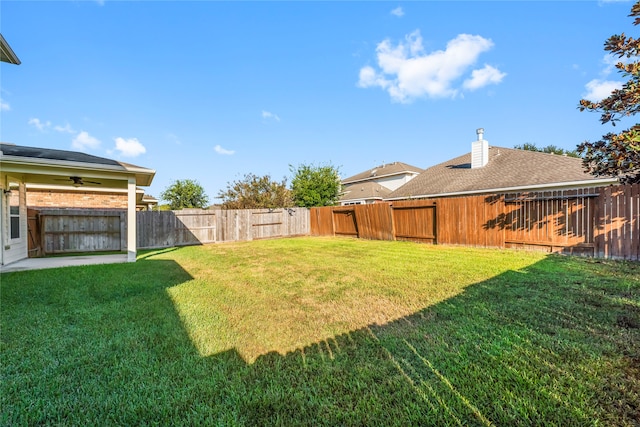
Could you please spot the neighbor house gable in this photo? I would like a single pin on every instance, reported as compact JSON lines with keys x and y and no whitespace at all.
{"x":363,"y":193}
{"x":377,"y":182}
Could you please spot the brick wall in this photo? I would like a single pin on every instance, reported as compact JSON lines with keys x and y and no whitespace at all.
{"x":75,"y":199}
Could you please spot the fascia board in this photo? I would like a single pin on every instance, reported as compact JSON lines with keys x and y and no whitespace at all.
{"x":373,"y":178}
{"x":8,"y":53}
{"x":14,"y":164}
{"x":360,"y":199}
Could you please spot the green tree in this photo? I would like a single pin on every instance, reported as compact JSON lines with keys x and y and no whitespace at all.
{"x":548,"y":149}
{"x":185,"y":193}
{"x":618,"y":154}
{"x":315,"y":185}
{"x":256,"y":192}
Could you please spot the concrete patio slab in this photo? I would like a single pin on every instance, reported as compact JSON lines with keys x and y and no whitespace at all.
{"x":57,"y":262}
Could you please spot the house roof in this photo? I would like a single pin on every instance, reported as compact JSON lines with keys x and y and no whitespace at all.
{"x":364,"y":191}
{"x":62,"y":162}
{"x":508,"y":169}
{"x":384,"y":170}
{"x":6,"y":53}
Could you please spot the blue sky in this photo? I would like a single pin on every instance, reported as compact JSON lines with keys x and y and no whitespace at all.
{"x":211,"y":91}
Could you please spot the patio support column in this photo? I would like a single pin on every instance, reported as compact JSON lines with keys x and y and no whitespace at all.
{"x":131,"y":220}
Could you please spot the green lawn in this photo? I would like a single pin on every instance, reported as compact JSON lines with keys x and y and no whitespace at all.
{"x":315,"y":331}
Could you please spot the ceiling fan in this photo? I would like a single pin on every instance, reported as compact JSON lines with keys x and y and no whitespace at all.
{"x":78,"y":181}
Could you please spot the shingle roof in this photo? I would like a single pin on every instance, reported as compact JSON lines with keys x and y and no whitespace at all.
{"x":10,"y":153}
{"x":6,"y":53}
{"x":364,"y":191}
{"x":50,"y":154}
{"x":387,"y":169}
{"x":507,"y":168}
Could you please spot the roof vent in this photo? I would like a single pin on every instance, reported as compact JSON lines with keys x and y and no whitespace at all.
{"x":479,"y":151}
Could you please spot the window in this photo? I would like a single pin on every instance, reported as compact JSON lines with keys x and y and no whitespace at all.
{"x":14,"y":212}
{"x":14,"y":215}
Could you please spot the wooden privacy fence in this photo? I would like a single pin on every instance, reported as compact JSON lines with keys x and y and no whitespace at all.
{"x":54,"y":231}
{"x":602,"y":222}
{"x":158,"y":229}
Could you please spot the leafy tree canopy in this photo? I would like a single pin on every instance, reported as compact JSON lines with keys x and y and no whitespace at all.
{"x":315,"y":185}
{"x":618,"y":154}
{"x":185,"y":193}
{"x":548,"y":149}
{"x":256,"y":192}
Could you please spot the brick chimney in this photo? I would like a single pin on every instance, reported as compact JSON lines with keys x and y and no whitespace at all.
{"x":479,"y":151}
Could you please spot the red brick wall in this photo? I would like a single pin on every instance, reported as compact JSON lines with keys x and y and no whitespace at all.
{"x":75,"y":199}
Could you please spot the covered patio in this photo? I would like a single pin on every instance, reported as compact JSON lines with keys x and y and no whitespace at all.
{"x":20,"y":166}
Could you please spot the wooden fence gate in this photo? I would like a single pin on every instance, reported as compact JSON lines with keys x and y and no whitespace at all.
{"x":58,"y":231}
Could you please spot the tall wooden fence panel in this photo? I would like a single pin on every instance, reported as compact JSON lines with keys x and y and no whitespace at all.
{"x":602,"y":221}
{"x":321,"y":221}
{"x":268,"y":223}
{"x":558,"y":221}
{"x":78,"y":230}
{"x":199,"y":226}
{"x":374,"y":222}
{"x":617,"y":231}
{"x":469,"y":221}
{"x":234,"y":225}
{"x":344,"y":222}
{"x":415,"y":220}
{"x":162,"y":229}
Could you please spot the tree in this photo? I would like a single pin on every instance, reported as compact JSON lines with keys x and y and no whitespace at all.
{"x":548,"y":149}
{"x":618,"y":155}
{"x":254,"y":192}
{"x":185,"y":193}
{"x":315,"y":185}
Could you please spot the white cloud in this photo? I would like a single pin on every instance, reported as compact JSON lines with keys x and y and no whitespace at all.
{"x":407,"y":72}
{"x":4,"y":106}
{"x":84,"y":141}
{"x":597,"y":89}
{"x":41,"y":126}
{"x":269,"y":115}
{"x":218,"y":149}
{"x":65,"y":129}
{"x":483,"y":77}
{"x":398,"y":12}
{"x":129,"y":147}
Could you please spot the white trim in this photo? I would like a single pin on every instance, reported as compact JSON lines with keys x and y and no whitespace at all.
{"x":29,"y":165}
{"x":539,"y":187}
{"x":131,"y":220}
{"x":73,"y":164}
{"x":376,"y":177}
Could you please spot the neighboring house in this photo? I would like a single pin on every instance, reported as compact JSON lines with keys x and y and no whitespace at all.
{"x":374,"y":184}
{"x":21,"y":167}
{"x":364,"y":193}
{"x":499,"y":170}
